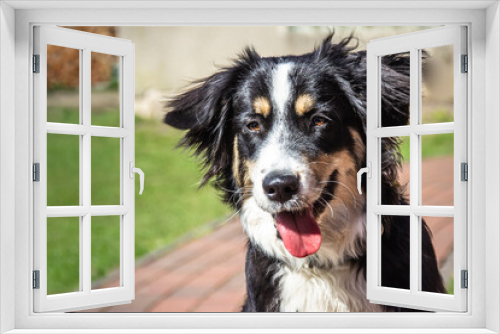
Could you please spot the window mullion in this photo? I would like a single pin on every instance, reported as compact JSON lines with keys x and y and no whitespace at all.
{"x":417,"y":120}
{"x":85,"y":247}
{"x":414,"y":168}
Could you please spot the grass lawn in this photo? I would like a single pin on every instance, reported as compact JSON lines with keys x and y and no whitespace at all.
{"x":432,"y":145}
{"x":170,"y":206}
{"x":450,"y":288}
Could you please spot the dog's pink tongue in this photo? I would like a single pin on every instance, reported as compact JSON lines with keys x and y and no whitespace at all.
{"x":300,"y":232}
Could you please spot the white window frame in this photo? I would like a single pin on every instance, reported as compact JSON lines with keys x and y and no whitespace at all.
{"x":17,"y":20}
{"x":85,"y":43}
{"x":413,"y":44}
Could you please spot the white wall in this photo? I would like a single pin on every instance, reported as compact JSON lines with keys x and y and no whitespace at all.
{"x":168,"y":58}
{"x":7,"y":160}
{"x":492,"y":150}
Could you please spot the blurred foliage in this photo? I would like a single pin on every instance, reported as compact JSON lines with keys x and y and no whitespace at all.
{"x":171,"y":205}
{"x":63,"y":64}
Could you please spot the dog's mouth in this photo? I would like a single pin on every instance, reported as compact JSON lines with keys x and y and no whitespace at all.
{"x":299,"y":231}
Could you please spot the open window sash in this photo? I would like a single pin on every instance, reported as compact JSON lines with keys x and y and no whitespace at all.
{"x":85,"y":297}
{"x":413,"y":44}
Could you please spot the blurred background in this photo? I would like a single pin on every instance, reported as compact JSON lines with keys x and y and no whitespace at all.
{"x":189,"y":247}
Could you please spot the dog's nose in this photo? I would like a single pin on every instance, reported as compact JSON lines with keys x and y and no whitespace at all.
{"x":280,"y":186}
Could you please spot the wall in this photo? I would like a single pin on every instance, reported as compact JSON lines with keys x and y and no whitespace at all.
{"x":169,"y":58}
{"x":7,"y":160}
{"x":491,"y":167}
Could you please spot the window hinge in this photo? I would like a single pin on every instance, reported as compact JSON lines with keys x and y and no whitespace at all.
{"x":36,"y":172}
{"x":464,"y":171}
{"x":36,"y":279}
{"x":465,"y":64}
{"x":36,"y":63}
{"x":465,"y":279}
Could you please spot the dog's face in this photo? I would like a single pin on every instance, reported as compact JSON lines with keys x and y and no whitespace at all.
{"x":284,"y":138}
{"x":296,"y":140}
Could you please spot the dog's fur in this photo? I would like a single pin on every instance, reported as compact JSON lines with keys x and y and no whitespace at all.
{"x":305,"y":114}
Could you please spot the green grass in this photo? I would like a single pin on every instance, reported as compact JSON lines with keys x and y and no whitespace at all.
{"x":62,"y":254}
{"x":171,"y":205}
{"x":450,"y":288}
{"x":432,"y":145}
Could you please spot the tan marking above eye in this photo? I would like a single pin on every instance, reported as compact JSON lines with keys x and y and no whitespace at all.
{"x":262,"y":106}
{"x":304,"y":104}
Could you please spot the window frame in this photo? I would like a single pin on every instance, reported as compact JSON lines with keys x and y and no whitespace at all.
{"x":483,"y":102}
{"x":86,"y":43}
{"x":413,"y":44}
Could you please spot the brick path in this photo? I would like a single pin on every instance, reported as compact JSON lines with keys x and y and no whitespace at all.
{"x":207,"y":274}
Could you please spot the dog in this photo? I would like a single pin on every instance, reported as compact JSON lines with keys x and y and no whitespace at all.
{"x":282,"y":138}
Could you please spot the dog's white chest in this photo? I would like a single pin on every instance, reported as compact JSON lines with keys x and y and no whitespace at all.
{"x":316,"y":290}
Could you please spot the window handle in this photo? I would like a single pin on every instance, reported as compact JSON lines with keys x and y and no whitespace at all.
{"x":139,"y":171}
{"x":368,"y":171}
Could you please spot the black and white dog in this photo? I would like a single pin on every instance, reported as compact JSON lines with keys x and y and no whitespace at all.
{"x":283,"y":139}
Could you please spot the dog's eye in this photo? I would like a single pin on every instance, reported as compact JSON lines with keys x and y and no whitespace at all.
{"x":318,"y":121}
{"x":253,"y":126}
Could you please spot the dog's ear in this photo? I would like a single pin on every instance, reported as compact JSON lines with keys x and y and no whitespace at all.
{"x":395,"y":90}
{"x":197,"y":107}
{"x":349,"y":70}
{"x":206,"y":111}
{"x":395,"y":86}
{"x":395,"y":96}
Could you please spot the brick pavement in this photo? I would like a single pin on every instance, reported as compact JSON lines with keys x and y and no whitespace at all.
{"x":207,"y":274}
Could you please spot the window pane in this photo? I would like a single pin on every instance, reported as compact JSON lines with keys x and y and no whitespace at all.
{"x":437,"y":85}
{"x":395,"y":243}
{"x":395,"y":90}
{"x":105,"y":260}
{"x":63,"y":255}
{"x":105,"y":78}
{"x":395,"y":178}
{"x":437,"y":169}
{"x":442,"y":237}
{"x":105,"y":171}
{"x":63,"y":165}
{"x":63,"y":83}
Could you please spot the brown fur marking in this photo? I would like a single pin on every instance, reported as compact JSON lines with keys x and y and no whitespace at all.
{"x":304,"y":104}
{"x":247,"y":182}
{"x":236,"y":162}
{"x":359,"y":146}
{"x":346,"y":166}
{"x":343,"y":162}
{"x":262,"y":106}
